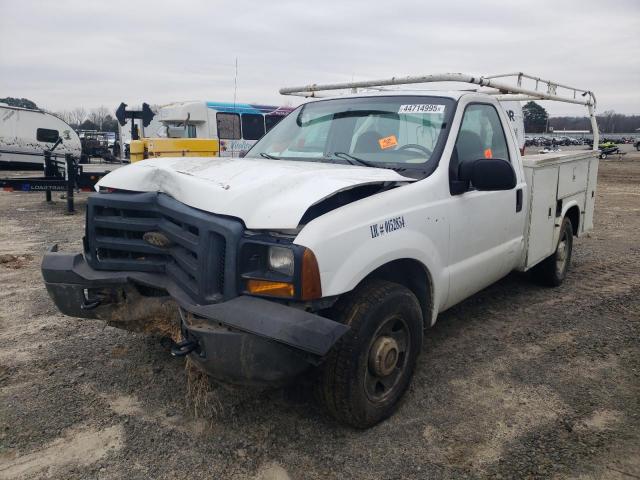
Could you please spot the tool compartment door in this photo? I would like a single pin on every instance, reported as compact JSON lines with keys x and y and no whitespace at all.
{"x":573,"y":178}
{"x":544,"y":189}
{"x":590,"y":203}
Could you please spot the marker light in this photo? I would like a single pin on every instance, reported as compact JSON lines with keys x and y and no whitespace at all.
{"x":311,"y":286}
{"x":274,"y":289}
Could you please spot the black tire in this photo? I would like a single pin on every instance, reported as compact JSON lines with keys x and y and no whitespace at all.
{"x":369,"y":369}
{"x":553,"y":270}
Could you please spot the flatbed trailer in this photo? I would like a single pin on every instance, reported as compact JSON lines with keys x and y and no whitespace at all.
{"x":60,"y":175}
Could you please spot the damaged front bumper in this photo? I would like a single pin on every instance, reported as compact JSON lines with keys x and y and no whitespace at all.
{"x":244,"y":340}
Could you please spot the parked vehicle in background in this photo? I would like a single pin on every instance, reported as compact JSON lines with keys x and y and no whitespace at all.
{"x":26,"y":133}
{"x":111,"y":137}
{"x":608,"y":148}
{"x":336,"y":241}
{"x":236,"y":126}
{"x":97,"y":144}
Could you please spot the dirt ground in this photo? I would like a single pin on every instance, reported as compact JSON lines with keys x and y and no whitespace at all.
{"x":519,"y":381}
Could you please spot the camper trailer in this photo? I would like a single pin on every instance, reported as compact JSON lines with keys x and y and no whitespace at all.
{"x":26,"y":133}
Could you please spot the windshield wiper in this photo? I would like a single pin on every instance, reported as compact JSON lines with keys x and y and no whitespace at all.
{"x":355,"y":160}
{"x":358,"y":161}
{"x":270,"y":157}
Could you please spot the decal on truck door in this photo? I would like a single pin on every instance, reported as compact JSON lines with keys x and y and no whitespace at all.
{"x":386,"y":226}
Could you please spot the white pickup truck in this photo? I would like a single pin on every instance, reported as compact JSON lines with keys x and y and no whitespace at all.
{"x":335,"y":242}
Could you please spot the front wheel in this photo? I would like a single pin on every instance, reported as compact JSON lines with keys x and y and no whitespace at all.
{"x":553,"y":270}
{"x":370,"y":368}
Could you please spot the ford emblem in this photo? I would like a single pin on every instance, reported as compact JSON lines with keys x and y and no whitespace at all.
{"x":157,"y":239}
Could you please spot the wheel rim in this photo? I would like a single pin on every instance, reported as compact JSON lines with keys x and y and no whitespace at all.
{"x":562,"y":254}
{"x":387,"y":359}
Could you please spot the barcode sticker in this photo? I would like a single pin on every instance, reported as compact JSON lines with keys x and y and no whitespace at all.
{"x":421,"y":108}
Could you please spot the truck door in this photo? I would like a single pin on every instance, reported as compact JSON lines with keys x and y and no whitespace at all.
{"x":486,"y":228}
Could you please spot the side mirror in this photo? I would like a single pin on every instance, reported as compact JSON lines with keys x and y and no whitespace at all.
{"x":488,"y":174}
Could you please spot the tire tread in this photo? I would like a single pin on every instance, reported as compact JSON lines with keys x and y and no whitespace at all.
{"x":335,"y":382}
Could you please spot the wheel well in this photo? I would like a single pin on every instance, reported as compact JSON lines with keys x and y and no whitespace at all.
{"x":573,"y":214}
{"x":413,"y":275}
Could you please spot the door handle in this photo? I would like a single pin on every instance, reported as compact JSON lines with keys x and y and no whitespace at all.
{"x":518,"y":200}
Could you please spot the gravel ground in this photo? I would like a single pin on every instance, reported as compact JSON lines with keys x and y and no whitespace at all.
{"x":518,"y":381}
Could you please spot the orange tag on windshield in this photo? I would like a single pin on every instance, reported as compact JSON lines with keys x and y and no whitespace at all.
{"x":488,"y":153}
{"x":388,"y":142}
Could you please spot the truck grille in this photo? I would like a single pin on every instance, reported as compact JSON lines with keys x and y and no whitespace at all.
{"x":196,"y":250}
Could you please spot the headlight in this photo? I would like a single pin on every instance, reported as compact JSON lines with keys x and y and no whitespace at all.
{"x":280,"y":260}
{"x":287,"y":271}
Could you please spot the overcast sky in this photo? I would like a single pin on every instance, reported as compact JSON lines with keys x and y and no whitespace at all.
{"x":62,"y":54}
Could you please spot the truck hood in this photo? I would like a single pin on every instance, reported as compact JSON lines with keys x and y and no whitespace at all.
{"x":265,"y":194}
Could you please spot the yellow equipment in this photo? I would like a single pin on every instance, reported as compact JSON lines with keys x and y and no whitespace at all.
{"x":172,"y":147}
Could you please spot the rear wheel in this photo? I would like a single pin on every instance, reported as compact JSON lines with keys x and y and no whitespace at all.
{"x":553,"y":270}
{"x":369,"y":370}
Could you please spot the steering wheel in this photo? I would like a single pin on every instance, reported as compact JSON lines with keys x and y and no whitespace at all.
{"x":415,"y":146}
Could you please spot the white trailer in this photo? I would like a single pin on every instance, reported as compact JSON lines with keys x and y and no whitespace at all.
{"x":26,"y":133}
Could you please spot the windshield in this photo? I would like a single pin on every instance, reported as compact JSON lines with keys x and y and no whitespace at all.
{"x":399,"y":132}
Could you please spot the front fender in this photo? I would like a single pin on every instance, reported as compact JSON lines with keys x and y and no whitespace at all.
{"x":349,"y":243}
{"x":364,"y":259}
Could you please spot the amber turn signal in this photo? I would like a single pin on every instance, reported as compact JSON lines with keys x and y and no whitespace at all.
{"x":311,"y":286}
{"x":274,"y":289}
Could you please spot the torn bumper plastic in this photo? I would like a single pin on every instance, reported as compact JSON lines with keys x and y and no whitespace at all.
{"x":243,"y":340}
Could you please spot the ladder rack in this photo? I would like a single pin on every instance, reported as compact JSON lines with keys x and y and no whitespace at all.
{"x":497,"y":84}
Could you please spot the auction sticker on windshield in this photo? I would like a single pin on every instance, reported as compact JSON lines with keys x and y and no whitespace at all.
{"x":388,"y":142}
{"x":421,"y":108}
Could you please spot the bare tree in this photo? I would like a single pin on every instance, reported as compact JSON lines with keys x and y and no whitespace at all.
{"x":64,"y":115}
{"x":98,"y":115}
{"x":78,"y":115}
{"x":609,"y":121}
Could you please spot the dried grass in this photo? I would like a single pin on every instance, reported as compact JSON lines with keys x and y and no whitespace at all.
{"x":202,"y":395}
{"x":164,"y":327}
{"x":15,"y":262}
